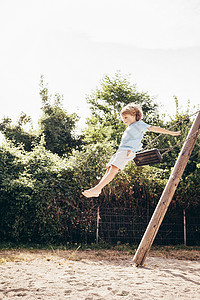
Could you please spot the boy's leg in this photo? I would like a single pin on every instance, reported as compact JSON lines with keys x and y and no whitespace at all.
{"x":108,"y":177}
{"x":107,"y":170}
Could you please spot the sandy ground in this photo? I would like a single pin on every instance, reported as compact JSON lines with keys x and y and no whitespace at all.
{"x":41,"y":275}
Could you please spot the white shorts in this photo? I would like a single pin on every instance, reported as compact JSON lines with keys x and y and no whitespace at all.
{"x":121,"y":158}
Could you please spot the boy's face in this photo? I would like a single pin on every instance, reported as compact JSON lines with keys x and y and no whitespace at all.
{"x":128,"y":119}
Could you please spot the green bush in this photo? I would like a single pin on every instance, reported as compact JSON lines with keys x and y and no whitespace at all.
{"x":41,"y":193}
{"x":41,"y":200}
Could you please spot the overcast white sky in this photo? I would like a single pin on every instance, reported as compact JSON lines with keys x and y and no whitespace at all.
{"x":75,"y":43}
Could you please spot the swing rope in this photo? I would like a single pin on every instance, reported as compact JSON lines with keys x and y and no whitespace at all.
{"x":170,"y":148}
{"x":152,"y":156}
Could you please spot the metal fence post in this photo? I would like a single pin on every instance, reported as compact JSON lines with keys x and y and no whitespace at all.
{"x":97,"y":232}
{"x":184,"y":228}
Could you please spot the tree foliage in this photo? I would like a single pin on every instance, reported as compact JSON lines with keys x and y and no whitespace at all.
{"x":57,"y":126}
{"x":106,"y":103}
{"x":16,"y":133}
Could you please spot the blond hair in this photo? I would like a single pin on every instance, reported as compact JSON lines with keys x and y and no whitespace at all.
{"x":133,"y":109}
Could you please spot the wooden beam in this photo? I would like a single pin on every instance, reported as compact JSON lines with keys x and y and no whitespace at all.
{"x":167,"y":194}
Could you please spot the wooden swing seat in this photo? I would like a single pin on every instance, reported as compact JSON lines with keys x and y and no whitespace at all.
{"x":148,"y":157}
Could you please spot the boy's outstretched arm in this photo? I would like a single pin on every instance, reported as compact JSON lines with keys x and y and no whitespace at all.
{"x":164,"y":131}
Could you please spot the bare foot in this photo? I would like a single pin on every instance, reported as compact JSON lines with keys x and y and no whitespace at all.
{"x":91,"y":193}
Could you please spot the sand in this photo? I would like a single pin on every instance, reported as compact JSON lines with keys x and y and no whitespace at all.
{"x":38,"y":276}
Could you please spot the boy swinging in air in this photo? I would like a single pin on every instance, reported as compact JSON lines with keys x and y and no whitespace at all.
{"x":131,"y":115}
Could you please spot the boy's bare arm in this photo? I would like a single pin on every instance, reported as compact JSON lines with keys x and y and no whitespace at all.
{"x":164,"y":131}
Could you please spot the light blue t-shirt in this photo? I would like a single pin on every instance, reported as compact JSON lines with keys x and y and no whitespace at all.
{"x":132,"y":136}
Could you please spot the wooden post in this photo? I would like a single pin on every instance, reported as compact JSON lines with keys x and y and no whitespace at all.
{"x":167,"y":194}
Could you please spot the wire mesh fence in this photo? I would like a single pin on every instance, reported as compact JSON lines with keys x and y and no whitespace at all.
{"x":125,"y":226}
